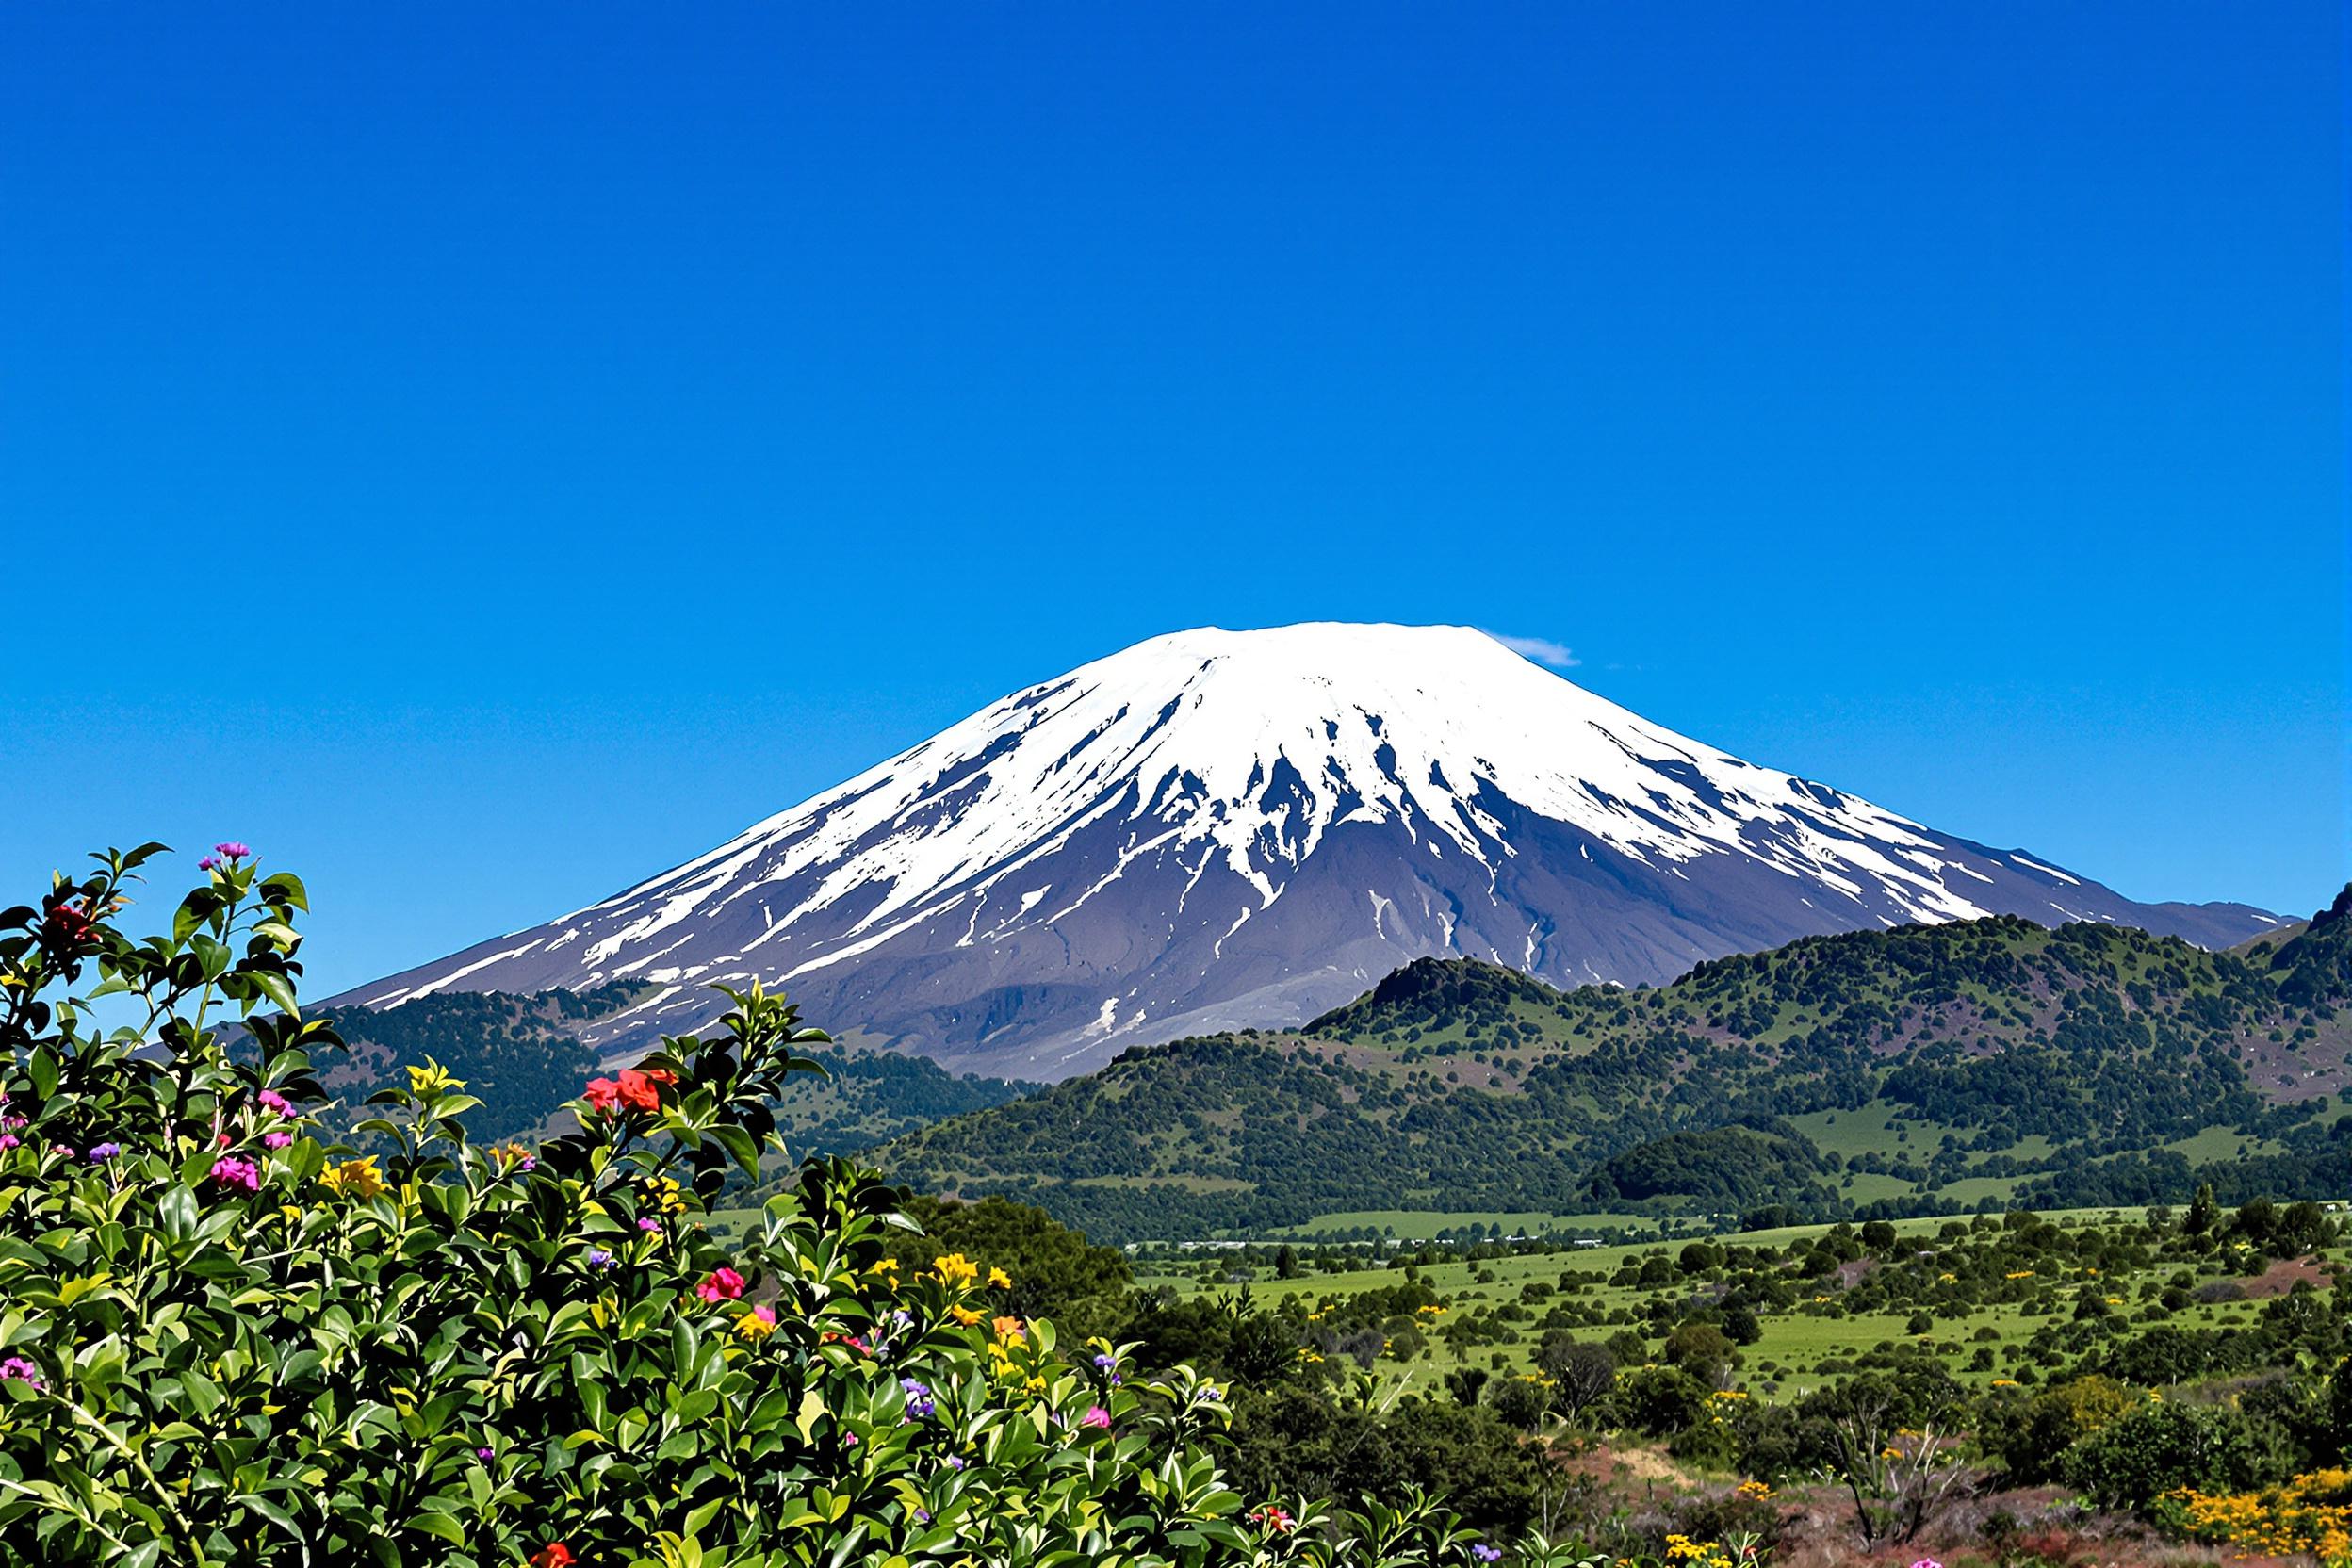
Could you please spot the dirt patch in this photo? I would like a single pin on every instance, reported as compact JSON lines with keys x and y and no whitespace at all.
{"x":2282,"y":1277}
{"x":1852,"y":1274}
{"x":1615,"y":1466}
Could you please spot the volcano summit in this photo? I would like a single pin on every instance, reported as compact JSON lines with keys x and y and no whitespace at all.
{"x":1220,"y":830}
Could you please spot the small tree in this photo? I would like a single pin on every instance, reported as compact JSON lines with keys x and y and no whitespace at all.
{"x":1899,"y":1479}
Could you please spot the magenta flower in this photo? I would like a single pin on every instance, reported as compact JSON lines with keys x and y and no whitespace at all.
{"x":8,"y":1140}
{"x":18,"y":1369}
{"x":231,"y":850}
{"x":238,"y":1173}
{"x":649,"y":1224}
{"x":272,"y":1101}
{"x":208,"y":863}
{"x":277,"y":1140}
{"x":720,"y":1284}
{"x":1096,"y":1416}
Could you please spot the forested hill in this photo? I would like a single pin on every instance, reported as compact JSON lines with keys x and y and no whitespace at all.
{"x":1928,"y":1066}
{"x":519,"y":1056}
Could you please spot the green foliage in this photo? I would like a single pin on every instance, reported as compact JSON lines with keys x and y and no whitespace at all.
{"x":521,"y":1056}
{"x":224,"y":1339}
{"x":2131,"y":1461}
{"x":1722,"y":1168}
{"x":1458,"y":1086}
{"x":1056,"y":1273}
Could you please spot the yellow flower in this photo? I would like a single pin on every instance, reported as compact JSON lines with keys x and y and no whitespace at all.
{"x":999,"y":1280}
{"x":359,"y":1178}
{"x":954,"y":1269}
{"x":964,"y":1315}
{"x":887,"y":1267}
{"x":752,"y":1325}
{"x":432,"y":1078}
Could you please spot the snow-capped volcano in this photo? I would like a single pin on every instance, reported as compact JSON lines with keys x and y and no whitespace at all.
{"x":1220,"y":829}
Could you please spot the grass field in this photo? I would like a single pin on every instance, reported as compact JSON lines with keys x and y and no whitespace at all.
{"x":1787,"y":1360}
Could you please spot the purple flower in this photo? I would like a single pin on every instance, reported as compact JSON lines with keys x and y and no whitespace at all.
{"x":18,"y":1369}
{"x":918,"y":1401}
{"x":208,"y":863}
{"x":955,"y":1461}
{"x":100,"y":1153}
{"x":231,"y":850}
{"x":1487,"y":1554}
{"x":484,"y":1454}
{"x":600,"y":1258}
{"x":923,"y":1516}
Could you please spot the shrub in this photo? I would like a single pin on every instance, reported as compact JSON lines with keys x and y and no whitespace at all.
{"x":225,"y":1340}
{"x":2164,"y":1446}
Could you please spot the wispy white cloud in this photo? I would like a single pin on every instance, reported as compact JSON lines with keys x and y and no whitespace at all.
{"x":1541,"y":649}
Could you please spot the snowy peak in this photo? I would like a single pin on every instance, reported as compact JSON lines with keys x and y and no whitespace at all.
{"x":1214,"y":828}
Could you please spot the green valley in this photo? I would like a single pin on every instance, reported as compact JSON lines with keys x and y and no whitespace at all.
{"x":1921,"y":1069}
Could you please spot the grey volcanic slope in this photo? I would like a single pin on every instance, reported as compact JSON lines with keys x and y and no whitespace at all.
{"x":1220,"y":830}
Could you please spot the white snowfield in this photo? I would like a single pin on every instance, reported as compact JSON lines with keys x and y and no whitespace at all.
{"x":1239,"y":750}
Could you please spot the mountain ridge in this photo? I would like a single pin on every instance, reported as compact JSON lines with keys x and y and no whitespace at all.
{"x":1995,"y":1058}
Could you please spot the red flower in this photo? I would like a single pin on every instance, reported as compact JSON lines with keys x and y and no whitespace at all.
{"x":640,"y":1091}
{"x":553,"y":1555}
{"x":720,"y":1284}
{"x":661,"y":1076}
{"x":603,"y":1093}
{"x":66,"y":926}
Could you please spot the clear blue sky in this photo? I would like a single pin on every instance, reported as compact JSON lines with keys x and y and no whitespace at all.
{"x":483,"y":455}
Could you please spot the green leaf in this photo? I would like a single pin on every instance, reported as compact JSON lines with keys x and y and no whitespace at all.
{"x":177,"y":1213}
{"x":441,"y":1525}
{"x":278,"y":988}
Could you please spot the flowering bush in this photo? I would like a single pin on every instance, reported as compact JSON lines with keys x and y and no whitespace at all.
{"x":2311,"y":1514}
{"x":224,"y":1339}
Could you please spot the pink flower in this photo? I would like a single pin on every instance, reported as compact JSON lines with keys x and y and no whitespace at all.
{"x":1096,"y":1416}
{"x":272,"y":1101}
{"x":238,"y":1173}
{"x":277,"y":1140}
{"x":720,"y":1284}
